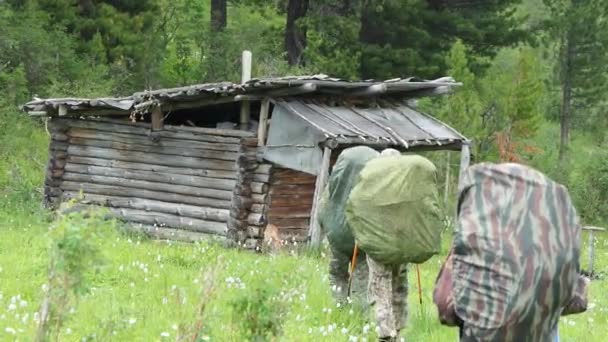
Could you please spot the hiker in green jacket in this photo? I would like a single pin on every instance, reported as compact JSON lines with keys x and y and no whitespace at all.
{"x":333,"y":224}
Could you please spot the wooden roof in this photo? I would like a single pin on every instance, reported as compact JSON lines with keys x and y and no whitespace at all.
{"x":201,"y":95}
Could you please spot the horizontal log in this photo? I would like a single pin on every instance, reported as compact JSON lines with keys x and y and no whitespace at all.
{"x":259,"y":188}
{"x":250,"y":142}
{"x":291,"y":188}
{"x":62,"y":137}
{"x":259,"y":198}
{"x":210,"y":214}
{"x":137,"y":184}
{"x":215,"y":174}
{"x":142,"y":130}
{"x":196,"y":130}
{"x":289,"y":223}
{"x":151,"y":158}
{"x":171,"y":221}
{"x":263,"y":169}
{"x":171,"y":151}
{"x":294,"y":212}
{"x":162,"y":233}
{"x":258,"y":208}
{"x":113,"y":190}
{"x":255,"y":232}
{"x":262,"y":178}
{"x":291,"y":201}
{"x":160,"y":177}
{"x":124,"y":138}
{"x":168,"y":220}
{"x":255,"y":219}
{"x":293,"y":181}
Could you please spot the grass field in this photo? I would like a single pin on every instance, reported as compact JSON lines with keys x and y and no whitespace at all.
{"x":146,"y":290}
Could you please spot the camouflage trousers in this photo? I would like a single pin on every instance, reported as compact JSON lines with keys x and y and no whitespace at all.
{"x":338,"y":277}
{"x":387,"y":295}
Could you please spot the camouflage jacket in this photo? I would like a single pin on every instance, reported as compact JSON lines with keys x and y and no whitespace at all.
{"x":514,"y":266}
{"x":443,"y":299}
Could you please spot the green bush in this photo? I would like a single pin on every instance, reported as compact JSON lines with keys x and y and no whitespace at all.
{"x":258,"y":314}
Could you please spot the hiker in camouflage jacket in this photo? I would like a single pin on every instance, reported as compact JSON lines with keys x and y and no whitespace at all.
{"x":514,"y":268}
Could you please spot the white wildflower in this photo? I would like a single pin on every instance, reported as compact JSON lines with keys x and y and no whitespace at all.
{"x":10,"y":331}
{"x":310,"y":330}
{"x":330,"y":328}
{"x":205,"y":338}
{"x":68,"y":331}
{"x":22,"y":303}
{"x":344,"y":331}
{"x":164,"y":334}
{"x":366,"y":329}
{"x":338,"y":305}
{"x":132,"y":320}
{"x":352,"y":338}
{"x":174,"y":327}
{"x":11,"y":307}
{"x":165,"y":300}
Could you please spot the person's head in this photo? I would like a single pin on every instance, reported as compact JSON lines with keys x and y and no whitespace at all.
{"x":390,"y":152}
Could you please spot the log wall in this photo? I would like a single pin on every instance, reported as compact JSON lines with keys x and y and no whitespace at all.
{"x":176,"y":182}
{"x":291,"y":196}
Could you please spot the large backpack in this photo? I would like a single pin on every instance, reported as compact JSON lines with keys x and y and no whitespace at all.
{"x":343,"y":178}
{"x":393,"y":210}
{"x":516,"y":253}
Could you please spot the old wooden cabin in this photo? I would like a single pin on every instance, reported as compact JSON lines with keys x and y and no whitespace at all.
{"x":226,"y":159}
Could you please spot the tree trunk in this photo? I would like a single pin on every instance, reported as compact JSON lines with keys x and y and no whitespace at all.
{"x":566,"y":106}
{"x":295,"y":36}
{"x":218,"y":15}
{"x":370,"y":33}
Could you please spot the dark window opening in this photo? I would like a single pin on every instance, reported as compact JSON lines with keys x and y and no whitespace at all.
{"x":221,"y":116}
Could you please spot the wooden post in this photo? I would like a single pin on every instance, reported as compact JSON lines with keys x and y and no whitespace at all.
{"x":263,"y":124}
{"x":591,"y":231}
{"x":447,"y":180}
{"x":157,"y":119}
{"x":62,"y":110}
{"x":314,"y":231}
{"x":591,"y":252}
{"x":245,"y":76}
{"x":465,"y":159}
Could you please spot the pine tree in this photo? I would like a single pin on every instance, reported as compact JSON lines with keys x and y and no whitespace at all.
{"x":581,"y":29}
